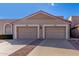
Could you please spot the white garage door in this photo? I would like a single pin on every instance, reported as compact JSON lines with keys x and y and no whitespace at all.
{"x":27,"y":32}
{"x":55,"y":32}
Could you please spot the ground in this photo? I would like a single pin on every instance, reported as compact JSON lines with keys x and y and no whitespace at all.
{"x":28,"y":47}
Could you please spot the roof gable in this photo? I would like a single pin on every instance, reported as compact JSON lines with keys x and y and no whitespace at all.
{"x":42,"y":14}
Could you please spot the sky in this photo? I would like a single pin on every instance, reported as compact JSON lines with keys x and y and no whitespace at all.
{"x":20,"y":10}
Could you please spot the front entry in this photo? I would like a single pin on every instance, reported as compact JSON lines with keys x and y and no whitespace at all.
{"x":41,"y":32}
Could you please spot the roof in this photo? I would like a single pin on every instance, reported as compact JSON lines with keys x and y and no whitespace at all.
{"x":6,"y":21}
{"x":43,"y":13}
{"x":40,"y":11}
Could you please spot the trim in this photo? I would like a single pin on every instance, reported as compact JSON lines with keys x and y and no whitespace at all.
{"x":49,"y":25}
{"x":15,"y":29}
{"x":43,"y":31}
{"x":55,"y":25}
{"x":67,"y":29}
{"x":67,"y":32}
{"x":4,"y":27}
{"x":38,"y":34}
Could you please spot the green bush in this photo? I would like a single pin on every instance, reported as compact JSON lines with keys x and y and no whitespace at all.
{"x":6,"y":36}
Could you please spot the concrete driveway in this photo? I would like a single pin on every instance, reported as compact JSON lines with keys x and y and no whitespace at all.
{"x":54,"y":48}
{"x":10,"y":46}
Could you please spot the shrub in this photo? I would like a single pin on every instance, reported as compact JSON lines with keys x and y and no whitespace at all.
{"x":6,"y":36}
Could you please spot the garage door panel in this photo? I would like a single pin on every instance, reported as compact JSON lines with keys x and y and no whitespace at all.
{"x":27,"y":32}
{"x":55,"y":32}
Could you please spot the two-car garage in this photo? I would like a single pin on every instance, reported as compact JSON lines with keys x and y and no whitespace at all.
{"x":48,"y":32}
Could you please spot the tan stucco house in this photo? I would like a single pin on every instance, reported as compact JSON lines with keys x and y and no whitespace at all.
{"x":39,"y":25}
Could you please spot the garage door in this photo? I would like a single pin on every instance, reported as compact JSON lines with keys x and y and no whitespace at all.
{"x":27,"y":32}
{"x":55,"y":32}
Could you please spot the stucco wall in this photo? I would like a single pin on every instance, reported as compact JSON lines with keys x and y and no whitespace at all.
{"x":2,"y":23}
{"x":75,"y":21}
{"x":41,"y":19}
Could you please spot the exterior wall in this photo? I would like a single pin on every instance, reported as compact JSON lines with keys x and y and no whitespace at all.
{"x":1,"y":29}
{"x":2,"y":25}
{"x":8,"y":28}
{"x":41,"y":20}
{"x":75,"y":21}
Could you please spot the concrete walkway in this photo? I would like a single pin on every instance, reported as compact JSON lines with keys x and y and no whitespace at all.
{"x":54,"y":48}
{"x":1,"y":40}
{"x":10,"y":46}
